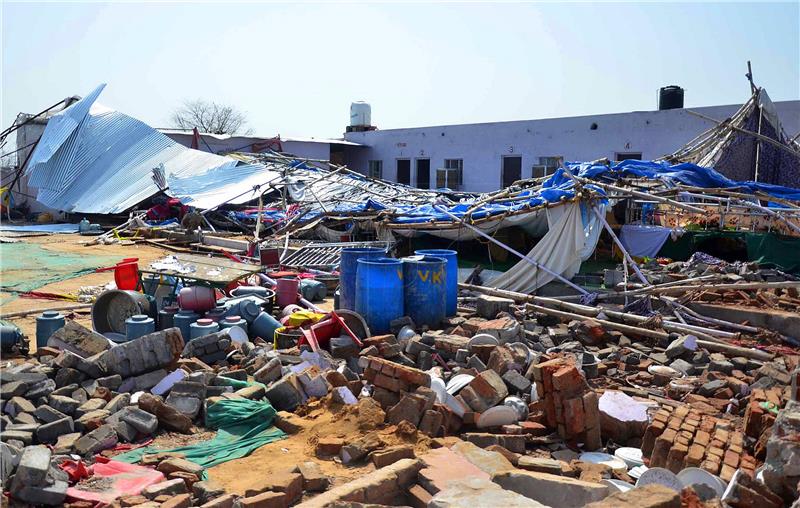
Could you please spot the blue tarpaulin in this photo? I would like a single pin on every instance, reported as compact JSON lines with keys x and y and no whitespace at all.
{"x":556,"y":188}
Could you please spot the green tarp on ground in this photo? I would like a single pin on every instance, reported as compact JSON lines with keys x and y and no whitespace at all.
{"x":767,"y":249}
{"x":242,"y":425}
{"x":28,"y":266}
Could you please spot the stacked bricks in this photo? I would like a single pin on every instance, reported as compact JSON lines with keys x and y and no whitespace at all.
{"x":680,"y":437}
{"x":757,"y":419}
{"x":394,"y":377}
{"x":570,"y":405}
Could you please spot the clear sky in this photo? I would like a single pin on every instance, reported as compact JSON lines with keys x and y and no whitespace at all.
{"x":295,"y":67}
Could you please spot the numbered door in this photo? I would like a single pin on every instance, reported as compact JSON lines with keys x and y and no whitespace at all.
{"x":404,"y":171}
{"x":423,"y":173}
{"x":512,"y":170}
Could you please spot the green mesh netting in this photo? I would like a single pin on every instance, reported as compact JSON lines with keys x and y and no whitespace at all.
{"x":27,"y":266}
{"x":243,"y":425}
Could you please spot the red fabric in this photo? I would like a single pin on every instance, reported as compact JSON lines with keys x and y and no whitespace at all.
{"x":169,"y":210}
{"x":76,"y":470}
{"x":127,"y":480}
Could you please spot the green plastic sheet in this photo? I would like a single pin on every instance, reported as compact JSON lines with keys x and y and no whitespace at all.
{"x":767,"y":249}
{"x":27,"y":266}
{"x":242,"y":425}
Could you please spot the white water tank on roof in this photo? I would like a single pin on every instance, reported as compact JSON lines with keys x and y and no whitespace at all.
{"x":360,"y":114}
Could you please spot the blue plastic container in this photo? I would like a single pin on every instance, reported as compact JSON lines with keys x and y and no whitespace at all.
{"x":233,"y":321}
{"x":216,"y":314}
{"x":347,"y":272}
{"x":183,"y":319}
{"x":166,"y":317}
{"x":138,"y":325}
{"x":202,"y":327}
{"x":379,"y":292}
{"x":264,"y":326}
{"x":46,"y":324}
{"x":424,"y":289}
{"x":450,"y":276}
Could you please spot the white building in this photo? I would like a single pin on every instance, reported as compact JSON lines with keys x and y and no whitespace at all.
{"x":488,"y":156}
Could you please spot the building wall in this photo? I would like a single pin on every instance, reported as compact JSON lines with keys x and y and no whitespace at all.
{"x":482,"y":146}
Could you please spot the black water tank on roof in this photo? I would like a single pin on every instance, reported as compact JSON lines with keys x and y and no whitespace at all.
{"x":670,"y":97}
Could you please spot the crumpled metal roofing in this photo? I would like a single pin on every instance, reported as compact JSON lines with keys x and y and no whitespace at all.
{"x":91,"y":159}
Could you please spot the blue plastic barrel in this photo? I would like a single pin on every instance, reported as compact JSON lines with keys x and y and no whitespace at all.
{"x":183,"y":320}
{"x":424,"y":289}
{"x":166,"y":316}
{"x":46,"y":325}
{"x":233,"y":321}
{"x":138,"y":325}
{"x":379,"y":292}
{"x":347,"y":272}
{"x":264,"y":326}
{"x":450,"y":275}
{"x":203,"y":327}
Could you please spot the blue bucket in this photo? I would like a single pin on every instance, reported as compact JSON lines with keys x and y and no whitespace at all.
{"x":379,"y":292}
{"x":424,"y":289}
{"x":451,"y":276}
{"x":347,"y":272}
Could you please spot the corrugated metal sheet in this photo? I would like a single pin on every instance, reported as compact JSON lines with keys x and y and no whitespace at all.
{"x":96,"y":160}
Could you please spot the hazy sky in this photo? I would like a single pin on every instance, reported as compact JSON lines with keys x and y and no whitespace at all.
{"x":295,"y":68}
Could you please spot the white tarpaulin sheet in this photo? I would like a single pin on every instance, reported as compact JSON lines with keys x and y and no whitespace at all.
{"x":566,"y":244}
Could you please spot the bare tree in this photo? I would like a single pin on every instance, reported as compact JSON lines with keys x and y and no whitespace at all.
{"x":210,"y":117}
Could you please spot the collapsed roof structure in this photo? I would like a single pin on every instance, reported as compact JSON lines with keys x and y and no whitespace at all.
{"x":750,"y":145}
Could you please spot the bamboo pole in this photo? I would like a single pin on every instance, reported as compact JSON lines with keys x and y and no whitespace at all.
{"x":593,"y":312}
{"x":633,"y":330}
{"x":515,"y":252}
{"x":75,"y":306}
{"x":745,"y":131}
{"x":618,"y":243}
{"x":639,"y":194}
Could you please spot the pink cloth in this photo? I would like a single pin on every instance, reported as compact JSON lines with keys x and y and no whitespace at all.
{"x":128,"y":480}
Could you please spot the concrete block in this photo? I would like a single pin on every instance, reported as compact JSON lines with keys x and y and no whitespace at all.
{"x":168,"y":488}
{"x":489,"y":306}
{"x":118,"y":402}
{"x":49,"y":432}
{"x":102,"y":438}
{"x":48,"y":495}
{"x":66,"y":405}
{"x":551,"y":490}
{"x":66,"y":443}
{"x":474,"y":492}
{"x":33,"y":466}
{"x":47,"y":414}
{"x":140,"y":419}
{"x":284,"y":395}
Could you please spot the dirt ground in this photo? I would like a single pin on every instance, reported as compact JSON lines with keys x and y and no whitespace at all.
{"x":319,"y":420}
{"x":71,"y":243}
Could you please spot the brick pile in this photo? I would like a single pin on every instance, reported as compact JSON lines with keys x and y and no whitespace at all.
{"x":681,"y":437}
{"x":570,"y":405}
{"x":757,"y":418}
{"x":394,"y":377}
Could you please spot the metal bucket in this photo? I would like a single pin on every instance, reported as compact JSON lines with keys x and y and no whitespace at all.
{"x":112,"y":308}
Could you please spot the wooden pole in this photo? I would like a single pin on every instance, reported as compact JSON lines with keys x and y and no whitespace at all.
{"x":519,"y":254}
{"x":639,"y":194}
{"x":618,"y":243}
